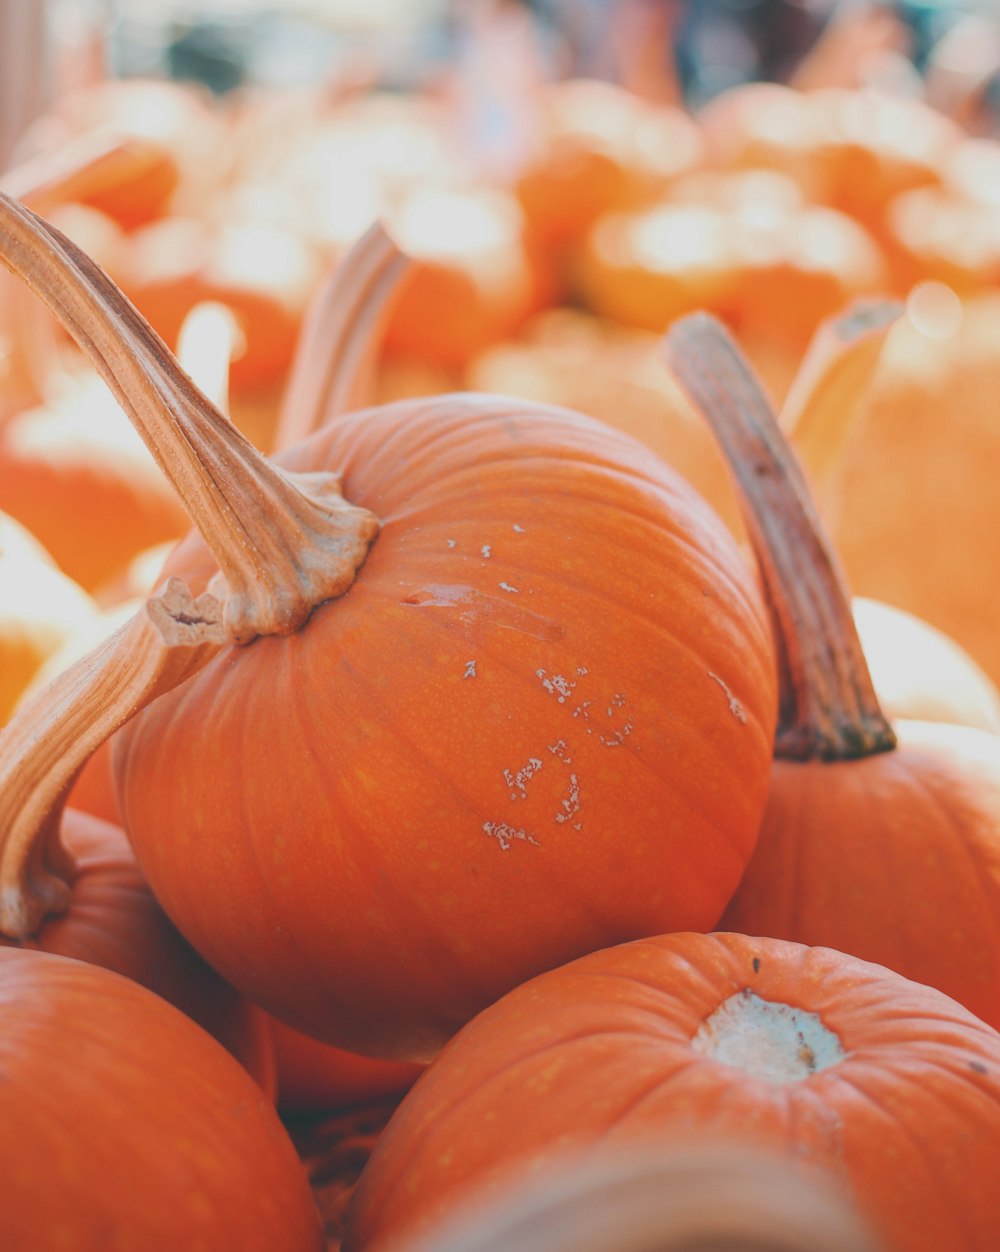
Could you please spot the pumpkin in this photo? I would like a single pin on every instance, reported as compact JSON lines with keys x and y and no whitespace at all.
{"x":168,"y":137}
{"x":803,"y":1051}
{"x":886,"y":849}
{"x":41,"y":609}
{"x":492,"y":713}
{"x":744,"y":246}
{"x":601,"y":149}
{"x":471,"y":281}
{"x":313,"y":1076}
{"x":908,"y":494}
{"x":105,"y":1149}
{"x":113,"y":921}
{"x":674,"y":1194}
{"x":264,"y":274}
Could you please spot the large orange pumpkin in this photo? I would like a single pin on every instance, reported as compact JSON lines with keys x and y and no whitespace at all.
{"x":889,"y":1084}
{"x":549,"y":687}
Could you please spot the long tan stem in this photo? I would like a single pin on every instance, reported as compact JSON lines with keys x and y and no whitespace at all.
{"x":282,"y":544}
{"x":50,"y":738}
{"x":336,"y":353}
{"x":826,"y":393}
{"x":828,"y":705}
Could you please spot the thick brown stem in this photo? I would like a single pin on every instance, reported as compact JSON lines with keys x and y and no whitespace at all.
{"x":283,"y":544}
{"x":828,"y":705}
{"x":826,"y":393}
{"x":336,"y":352}
{"x":51,"y":737}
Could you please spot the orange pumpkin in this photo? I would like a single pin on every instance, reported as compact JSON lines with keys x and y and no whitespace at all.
{"x":106,"y":1150}
{"x":314,"y":1077}
{"x":888,"y":1084}
{"x":76,"y":476}
{"x":113,"y":921}
{"x":889,"y":851}
{"x":601,"y":149}
{"x":491,"y":713}
{"x":908,"y":494}
{"x":41,"y":610}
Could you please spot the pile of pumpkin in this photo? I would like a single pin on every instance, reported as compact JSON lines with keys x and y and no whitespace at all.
{"x":462,"y":731}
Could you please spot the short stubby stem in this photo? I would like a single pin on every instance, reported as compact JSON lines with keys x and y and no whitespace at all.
{"x":772,"y":1041}
{"x":828,"y":707}
{"x":283,"y":544}
{"x":51,"y":737}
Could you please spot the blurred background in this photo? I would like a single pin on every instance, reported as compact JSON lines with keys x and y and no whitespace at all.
{"x":568,"y":177}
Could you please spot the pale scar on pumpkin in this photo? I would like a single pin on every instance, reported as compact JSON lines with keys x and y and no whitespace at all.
{"x":776,"y":1042}
{"x":735,"y":707}
{"x":477,"y":608}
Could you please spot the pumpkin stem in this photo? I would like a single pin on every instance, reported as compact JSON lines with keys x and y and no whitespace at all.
{"x":336,"y":351}
{"x":51,"y":737}
{"x":827,"y":391}
{"x":828,"y":705}
{"x":283,"y":542}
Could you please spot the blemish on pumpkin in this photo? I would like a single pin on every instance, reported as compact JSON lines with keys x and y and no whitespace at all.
{"x":756,"y":964}
{"x":470,"y":669}
{"x":450,"y":543}
{"x":561,"y":749}
{"x":571,"y":803}
{"x":557,"y":685}
{"x":737,"y":709}
{"x":486,"y":551}
{"x":514,"y":591}
{"x":978,"y":1067}
{"x":620,"y":735}
{"x":519,"y":529}
{"x":521,"y":779}
{"x":505,"y":834}
{"x":476,"y":608}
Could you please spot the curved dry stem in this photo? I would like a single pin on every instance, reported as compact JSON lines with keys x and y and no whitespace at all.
{"x":828,"y":705}
{"x":51,"y":737}
{"x":284,"y":543}
{"x":336,"y":352}
{"x":830,"y":384}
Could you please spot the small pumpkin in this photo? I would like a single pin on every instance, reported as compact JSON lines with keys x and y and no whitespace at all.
{"x":885,"y":845}
{"x":888,"y":1084}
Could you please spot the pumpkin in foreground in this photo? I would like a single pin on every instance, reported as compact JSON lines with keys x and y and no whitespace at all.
{"x":124,"y":1126}
{"x":665,"y":1193}
{"x":537,"y":721}
{"x":888,"y":1084}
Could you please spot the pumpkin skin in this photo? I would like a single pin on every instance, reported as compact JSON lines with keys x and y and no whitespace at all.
{"x":124,"y":1126}
{"x":113,"y":921}
{"x":313,"y":1076}
{"x":415,"y":841}
{"x":908,"y":1119}
{"x":894,"y":858}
